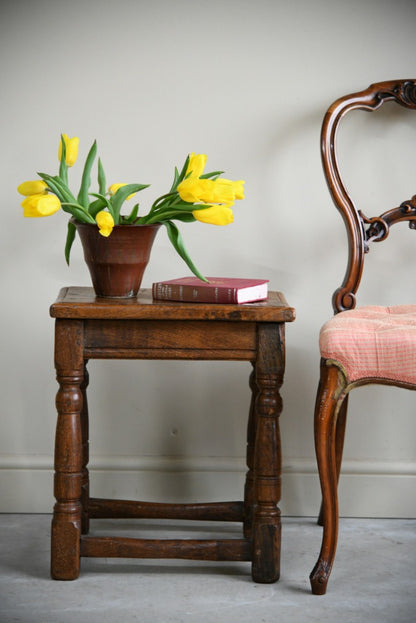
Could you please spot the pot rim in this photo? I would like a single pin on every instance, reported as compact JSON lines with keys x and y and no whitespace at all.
{"x":77,"y":223}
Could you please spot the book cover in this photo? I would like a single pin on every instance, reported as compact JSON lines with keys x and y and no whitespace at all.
{"x":218,"y":290}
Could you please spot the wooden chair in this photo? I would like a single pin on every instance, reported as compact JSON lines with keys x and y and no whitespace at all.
{"x":358,"y":346}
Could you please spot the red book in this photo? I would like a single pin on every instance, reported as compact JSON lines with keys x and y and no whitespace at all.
{"x":218,"y":290}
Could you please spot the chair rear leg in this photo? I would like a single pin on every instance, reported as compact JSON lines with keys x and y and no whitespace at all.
{"x":328,"y":401}
{"x":339,"y":445}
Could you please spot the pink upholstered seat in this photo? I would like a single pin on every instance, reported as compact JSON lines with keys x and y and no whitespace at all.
{"x":373,"y":342}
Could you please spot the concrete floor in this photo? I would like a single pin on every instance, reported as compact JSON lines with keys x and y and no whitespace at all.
{"x":373,"y":580}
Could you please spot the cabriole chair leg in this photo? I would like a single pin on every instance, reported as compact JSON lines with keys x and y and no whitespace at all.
{"x":328,"y":403}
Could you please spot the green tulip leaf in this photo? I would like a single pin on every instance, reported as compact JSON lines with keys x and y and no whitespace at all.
{"x":133,"y":215}
{"x":58,"y":187}
{"x":177,"y":241}
{"x":96,"y":206}
{"x":70,"y":237}
{"x":104,"y":203}
{"x":121,"y":195}
{"x":63,"y":167}
{"x":207,"y":176}
{"x":77,"y":212}
{"x":175,"y":180}
{"x":182,"y":174}
{"x":101,"y":178}
{"x":184,"y":217}
{"x":86,"y":176}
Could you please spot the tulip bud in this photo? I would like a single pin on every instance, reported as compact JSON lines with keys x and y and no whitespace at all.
{"x":71,"y":147}
{"x":114,"y":188}
{"x":215,"y":215}
{"x":40,"y":205}
{"x":196,"y":164}
{"x":35,"y":187}
{"x":105,"y":223}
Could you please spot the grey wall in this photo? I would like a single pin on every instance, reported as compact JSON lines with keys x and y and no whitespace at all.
{"x":246,"y":83}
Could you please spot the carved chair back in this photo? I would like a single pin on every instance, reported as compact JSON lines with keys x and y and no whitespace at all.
{"x":362,"y":230}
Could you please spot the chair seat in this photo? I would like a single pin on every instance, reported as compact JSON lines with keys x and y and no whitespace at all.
{"x":373,"y":342}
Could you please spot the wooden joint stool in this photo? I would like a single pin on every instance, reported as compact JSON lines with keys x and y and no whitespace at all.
{"x":86,"y":328}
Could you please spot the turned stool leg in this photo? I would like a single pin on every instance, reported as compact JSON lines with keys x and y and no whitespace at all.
{"x":267,"y":458}
{"x":251,"y":438}
{"x":66,"y":523}
{"x":85,"y":486}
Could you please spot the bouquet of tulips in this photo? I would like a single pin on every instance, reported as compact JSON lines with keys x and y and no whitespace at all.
{"x":193,"y":196}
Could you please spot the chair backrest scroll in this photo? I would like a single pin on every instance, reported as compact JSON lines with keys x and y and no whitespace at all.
{"x":361,"y":230}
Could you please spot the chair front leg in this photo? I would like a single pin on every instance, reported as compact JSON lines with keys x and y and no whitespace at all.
{"x":339,"y":445}
{"x":331,"y":393}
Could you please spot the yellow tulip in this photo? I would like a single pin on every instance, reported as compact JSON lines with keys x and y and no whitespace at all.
{"x":71,"y":145}
{"x":105,"y":223}
{"x":215,"y":215}
{"x":196,"y":165}
{"x":238,"y":188}
{"x":114,"y":188}
{"x":219,"y":191}
{"x":190,"y":189}
{"x":35,"y":187}
{"x":40,"y":205}
{"x":195,"y":190}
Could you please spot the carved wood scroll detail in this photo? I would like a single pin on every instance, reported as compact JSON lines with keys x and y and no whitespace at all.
{"x":379,"y":226}
{"x":405,"y":93}
{"x":361,"y":229}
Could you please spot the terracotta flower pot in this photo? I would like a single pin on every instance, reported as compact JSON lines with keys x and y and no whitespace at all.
{"x":117,"y":263}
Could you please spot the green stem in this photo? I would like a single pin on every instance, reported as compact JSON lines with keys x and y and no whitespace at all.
{"x":78,"y":212}
{"x":160,"y":200}
{"x":166,"y":215}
